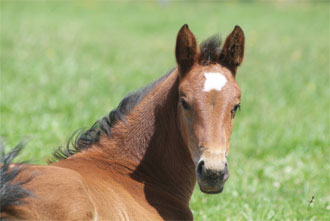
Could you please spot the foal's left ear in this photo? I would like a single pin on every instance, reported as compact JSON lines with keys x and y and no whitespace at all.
{"x":233,"y":50}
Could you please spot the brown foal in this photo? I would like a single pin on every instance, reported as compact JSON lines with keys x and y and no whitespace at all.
{"x":141,"y":162}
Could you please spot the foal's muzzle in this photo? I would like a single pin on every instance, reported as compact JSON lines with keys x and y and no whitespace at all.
{"x":211,"y":180}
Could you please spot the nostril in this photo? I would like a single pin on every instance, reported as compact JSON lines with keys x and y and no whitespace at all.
{"x":200,"y":167}
{"x":222,"y":175}
{"x":226,"y":165}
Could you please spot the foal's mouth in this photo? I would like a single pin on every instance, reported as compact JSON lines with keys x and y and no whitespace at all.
{"x":211,"y":189}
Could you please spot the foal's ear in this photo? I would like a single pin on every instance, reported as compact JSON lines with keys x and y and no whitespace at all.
{"x":233,"y":50}
{"x":185,"y":50}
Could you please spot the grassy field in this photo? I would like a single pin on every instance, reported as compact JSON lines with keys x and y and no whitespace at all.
{"x":66,"y":65}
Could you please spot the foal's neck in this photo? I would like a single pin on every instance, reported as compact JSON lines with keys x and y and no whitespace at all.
{"x":151,"y":144}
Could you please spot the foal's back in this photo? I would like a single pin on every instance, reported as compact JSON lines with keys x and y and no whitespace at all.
{"x":58,"y":194}
{"x":78,"y":190}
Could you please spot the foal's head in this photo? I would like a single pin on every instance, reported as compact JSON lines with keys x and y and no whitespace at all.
{"x":209,"y":97}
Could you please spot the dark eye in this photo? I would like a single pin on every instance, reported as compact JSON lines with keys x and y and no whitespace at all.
{"x":236,"y":107}
{"x":184,"y":104}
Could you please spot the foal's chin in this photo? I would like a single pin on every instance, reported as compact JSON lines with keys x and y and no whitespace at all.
{"x":214,"y":189}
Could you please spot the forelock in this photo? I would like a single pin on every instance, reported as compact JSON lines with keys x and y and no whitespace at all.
{"x":210,"y":50}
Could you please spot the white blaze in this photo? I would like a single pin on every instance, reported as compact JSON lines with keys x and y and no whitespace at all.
{"x":214,"y":81}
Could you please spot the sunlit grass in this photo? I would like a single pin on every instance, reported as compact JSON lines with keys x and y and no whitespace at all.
{"x":64,"y":66}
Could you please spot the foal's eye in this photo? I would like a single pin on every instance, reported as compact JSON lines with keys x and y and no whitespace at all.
{"x":236,"y":107}
{"x":184,"y":104}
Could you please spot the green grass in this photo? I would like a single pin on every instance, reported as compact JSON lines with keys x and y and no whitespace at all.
{"x":65,"y":65}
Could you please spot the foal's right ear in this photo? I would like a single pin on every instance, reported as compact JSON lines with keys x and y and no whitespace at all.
{"x":186,"y":50}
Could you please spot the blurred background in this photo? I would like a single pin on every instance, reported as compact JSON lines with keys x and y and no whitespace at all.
{"x":65,"y":65}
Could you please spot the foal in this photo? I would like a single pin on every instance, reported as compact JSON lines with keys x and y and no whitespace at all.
{"x":141,"y":161}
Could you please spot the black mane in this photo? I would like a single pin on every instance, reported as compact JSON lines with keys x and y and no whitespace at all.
{"x":11,"y":192}
{"x":81,"y":140}
{"x":210,"y":52}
